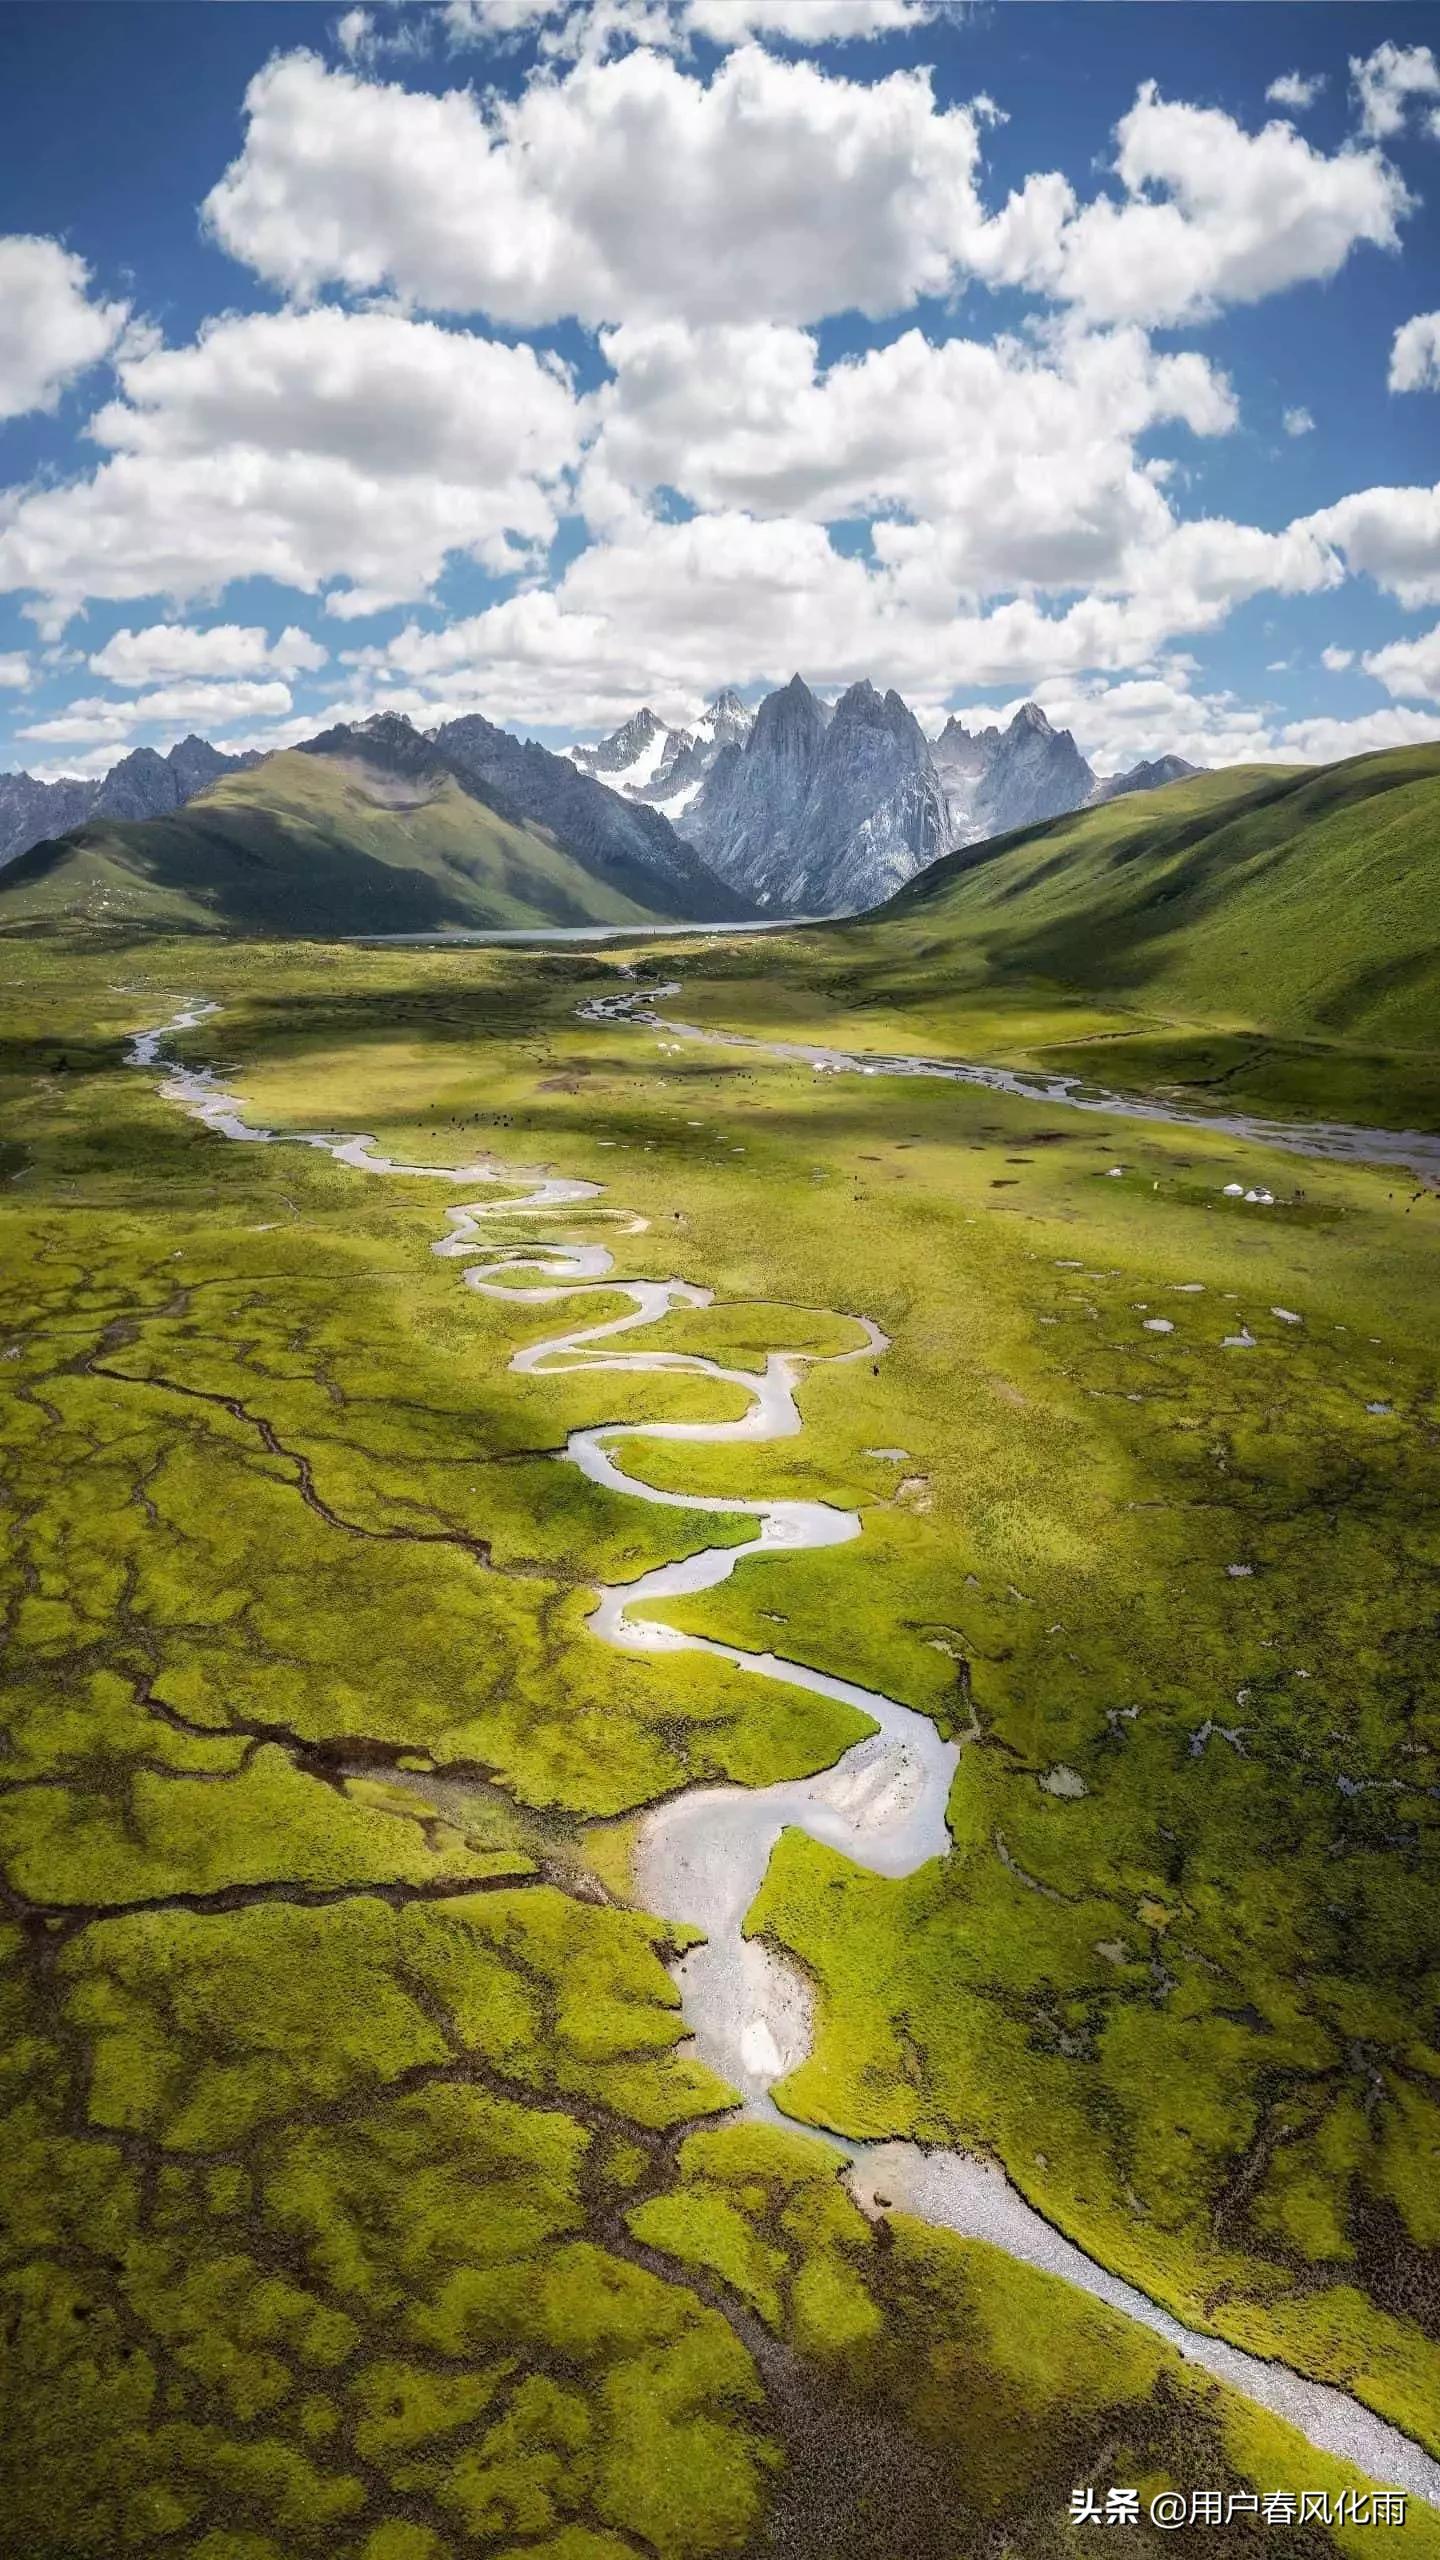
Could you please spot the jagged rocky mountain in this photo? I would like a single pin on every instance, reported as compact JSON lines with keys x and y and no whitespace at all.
{"x":665,"y":767}
{"x":630,"y":757}
{"x":31,"y":810}
{"x":811,"y":808}
{"x":142,"y":785}
{"x":822,"y":811}
{"x":1151,"y":776}
{"x":634,"y":845}
{"x":633,"y":848}
{"x":996,"y":779}
{"x":800,"y":808}
{"x":375,"y":826}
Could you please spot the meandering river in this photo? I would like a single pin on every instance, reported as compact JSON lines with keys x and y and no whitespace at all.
{"x":703,"y":1854}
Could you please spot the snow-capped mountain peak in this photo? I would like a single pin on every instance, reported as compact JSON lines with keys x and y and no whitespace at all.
{"x":630,"y":757}
{"x":648,"y":759}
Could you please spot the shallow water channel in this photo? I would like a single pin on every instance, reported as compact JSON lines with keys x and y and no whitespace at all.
{"x":1337,"y":1141}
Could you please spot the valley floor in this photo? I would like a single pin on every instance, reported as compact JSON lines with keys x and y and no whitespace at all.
{"x":363,"y":2196}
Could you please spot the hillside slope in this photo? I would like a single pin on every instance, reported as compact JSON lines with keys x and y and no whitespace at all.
{"x":1264,"y":935}
{"x":319,"y":844}
{"x":1296,"y":900}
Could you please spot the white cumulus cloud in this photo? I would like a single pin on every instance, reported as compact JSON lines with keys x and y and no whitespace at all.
{"x":1319,"y":740}
{"x":1021,"y":460}
{"x":1415,"y":354}
{"x":1116,"y":724}
{"x":1212,"y":215}
{"x":666,"y":611}
{"x":481,"y":21}
{"x":306,"y":447}
{"x":1410,"y":668}
{"x":803,"y":21}
{"x":1296,"y":89}
{"x":591,"y":27}
{"x":51,"y":329}
{"x":621,"y":189}
{"x":1298,"y":422}
{"x":1390,"y":535}
{"x":632,"y":189}
{"x":98,"y":721}
{"x":1387,"y":81}
{"x":226,"y":649}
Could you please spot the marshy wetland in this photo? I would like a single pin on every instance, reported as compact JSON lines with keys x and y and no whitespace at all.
{"x":363,"y":2181}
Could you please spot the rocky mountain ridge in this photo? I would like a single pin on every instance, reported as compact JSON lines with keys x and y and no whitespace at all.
{"x":632,"y":847}
{"x":822,"y":811}
{"x":1146,"y":776}
{"x":998,"y":779}
{"x":142,"y":785}
{"x":374,"y":826}
{"x":798,"y":807}
{"x":809,"y":807}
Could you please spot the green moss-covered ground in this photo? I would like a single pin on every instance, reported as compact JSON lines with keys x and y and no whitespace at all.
{"x":356,"y":2199}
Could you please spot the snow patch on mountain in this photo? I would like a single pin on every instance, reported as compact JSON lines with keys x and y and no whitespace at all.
{"x":648,"y":759}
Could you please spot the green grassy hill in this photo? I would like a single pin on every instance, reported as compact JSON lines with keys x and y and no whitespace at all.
{"x":313,"y":844}
{"x":1267,"y":934}
{"x":1300,"y":901}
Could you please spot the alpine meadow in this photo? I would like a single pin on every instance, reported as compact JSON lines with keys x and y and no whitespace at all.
{"x":732,"y":1856}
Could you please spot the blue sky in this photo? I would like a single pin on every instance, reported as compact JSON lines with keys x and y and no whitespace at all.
{"x":548,"y":356}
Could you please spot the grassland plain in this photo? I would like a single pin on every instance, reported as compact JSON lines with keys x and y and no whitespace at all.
{"x":357,"y":2198}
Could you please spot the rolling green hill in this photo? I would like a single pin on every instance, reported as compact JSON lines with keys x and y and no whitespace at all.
{"x":316,"y":844}
{"x":1297,"y":900}
{"x":1267,"y":933}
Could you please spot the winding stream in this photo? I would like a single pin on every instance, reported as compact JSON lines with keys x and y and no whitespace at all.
{"x":702,"y":1855}
{"x":1415,"y":1151}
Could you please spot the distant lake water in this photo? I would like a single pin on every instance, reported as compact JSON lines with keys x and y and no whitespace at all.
{"x":583,"y":932}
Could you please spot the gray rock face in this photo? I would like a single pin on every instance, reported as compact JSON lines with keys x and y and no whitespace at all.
{"x":996,"y":779}
{"x":875,"y":814}
{"x":727,"y":723}
{"x":196,"y":764}
{"x":30,"y":810}
{"x":387,"y":743}
{"x":822,"y":812}
{"x":962,"y":754}
{"x":1145,"y":777}
{"x":751,"y":808}
{"x":142,"y":785}
{"x":1038,"y":772}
